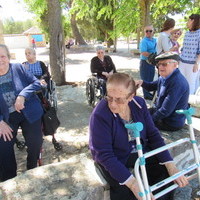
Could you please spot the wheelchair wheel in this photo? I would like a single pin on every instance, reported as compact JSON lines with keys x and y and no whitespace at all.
{"x":90,"y":92}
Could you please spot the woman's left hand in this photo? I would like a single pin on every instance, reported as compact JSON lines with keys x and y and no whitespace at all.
{"x":19,"y":103}
{"x":172,"y":169}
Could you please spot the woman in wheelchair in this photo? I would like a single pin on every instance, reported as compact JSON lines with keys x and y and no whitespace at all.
{"x":114,"y":149}
{"x":102,"y":65}
{"x":19,"y":107}
{"x":37,"y":68}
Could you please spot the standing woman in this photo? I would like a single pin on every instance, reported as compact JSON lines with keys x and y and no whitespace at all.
{"x":190,"y":55}
{"x":164,"y":43}
{"x":19,"y":107}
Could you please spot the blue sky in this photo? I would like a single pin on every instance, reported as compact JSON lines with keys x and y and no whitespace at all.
{"x":11,"y":8}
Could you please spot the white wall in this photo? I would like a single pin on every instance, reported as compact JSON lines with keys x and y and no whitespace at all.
{"x":16,"y":41}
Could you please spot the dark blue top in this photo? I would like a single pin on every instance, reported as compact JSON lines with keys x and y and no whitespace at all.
{"x":24,"y":84}
{"x":109,"y":142}
{"x":173,"y":95}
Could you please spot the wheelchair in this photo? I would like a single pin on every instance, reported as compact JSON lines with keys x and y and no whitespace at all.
{"x":95,"y":90}
{"x":50,"y":96}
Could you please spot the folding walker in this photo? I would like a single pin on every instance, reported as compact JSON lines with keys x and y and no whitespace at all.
{"x":145,"y":189}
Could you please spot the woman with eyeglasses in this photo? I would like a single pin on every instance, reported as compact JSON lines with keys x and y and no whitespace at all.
{"x":102,"y":64}
{"x":164,"y":43}
{"x":175,"y":35}
{"x":114,"y":149}
{"x":190,"y":53}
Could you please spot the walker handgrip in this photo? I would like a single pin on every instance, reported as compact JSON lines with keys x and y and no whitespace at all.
{"x":188,"y":113}
{"x":136,"y":127}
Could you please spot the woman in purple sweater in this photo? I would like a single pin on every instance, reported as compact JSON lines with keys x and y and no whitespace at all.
{"x":112,"y":148}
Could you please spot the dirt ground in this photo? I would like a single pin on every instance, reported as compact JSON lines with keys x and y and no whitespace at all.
{"x":73,"y":109}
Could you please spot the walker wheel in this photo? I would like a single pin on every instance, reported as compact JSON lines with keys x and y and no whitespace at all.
{"x":20,"y":145}
{"x":58,"y":146}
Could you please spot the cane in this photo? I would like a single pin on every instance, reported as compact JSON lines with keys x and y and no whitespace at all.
{"x":144,"y":192}
{"x":188,"y":113}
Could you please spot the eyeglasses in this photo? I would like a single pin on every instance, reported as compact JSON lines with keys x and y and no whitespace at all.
{"x":165,"y":64}
{"x":117,"y":100}
{"x":150,"y":31}
{"x":100,"y":52}
{"x":176,"y":33}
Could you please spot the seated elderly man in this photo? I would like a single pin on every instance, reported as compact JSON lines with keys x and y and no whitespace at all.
{"x":172,"y":93}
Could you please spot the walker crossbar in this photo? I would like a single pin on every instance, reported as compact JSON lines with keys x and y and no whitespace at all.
{"x":145,"y":189}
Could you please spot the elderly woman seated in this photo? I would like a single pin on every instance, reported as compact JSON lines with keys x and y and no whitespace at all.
{"x":102,"y":65}
{"x":114,"y":149}
{"x":37,"y":68}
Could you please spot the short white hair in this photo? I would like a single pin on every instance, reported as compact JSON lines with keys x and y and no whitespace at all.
{"x":100,"y":48}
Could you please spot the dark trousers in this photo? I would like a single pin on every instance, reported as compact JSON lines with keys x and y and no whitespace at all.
{"x":161,"y":125}
{"x":147,"y":73}
{"x":33,"y":139}
{"x":155,"y":173}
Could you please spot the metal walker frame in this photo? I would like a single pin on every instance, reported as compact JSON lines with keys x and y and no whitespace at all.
{"x":145,"y":189}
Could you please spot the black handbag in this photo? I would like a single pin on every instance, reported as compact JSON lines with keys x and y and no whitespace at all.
{"x":151,"y":59}
{"x":50,"y":121}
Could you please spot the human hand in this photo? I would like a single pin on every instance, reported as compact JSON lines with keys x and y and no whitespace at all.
{"x":195,"y":68}
{"x":138,"y":83}
{"x":132,"y":184}
{"x":5,"y":131}
{"x":105,"y":74}
{"x":43,"y":82}
{"x":19,"y":103}
{"x":172,"y":169}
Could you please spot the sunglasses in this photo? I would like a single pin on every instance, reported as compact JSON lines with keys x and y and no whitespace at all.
{"x":150,"y":31}
{"x":165,"y":63}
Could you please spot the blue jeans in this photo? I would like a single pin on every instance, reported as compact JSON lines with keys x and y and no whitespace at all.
{"x":147,"y":73}
{"x":33,"y":140}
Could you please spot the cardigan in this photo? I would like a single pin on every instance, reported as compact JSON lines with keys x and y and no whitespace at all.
{"x":109,"y":143}
{"x":96,"y":66}
{"x":174,"y":96}
{"x":24,"y":84}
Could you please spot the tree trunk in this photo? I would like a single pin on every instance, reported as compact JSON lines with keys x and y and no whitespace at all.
{"x":75,"y":30}
{"x":57,"y":47}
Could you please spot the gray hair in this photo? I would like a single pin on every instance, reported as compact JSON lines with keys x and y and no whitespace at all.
{"x":3,"y":46}
{"x":31,"y":49}
{"x":100,"y":48}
